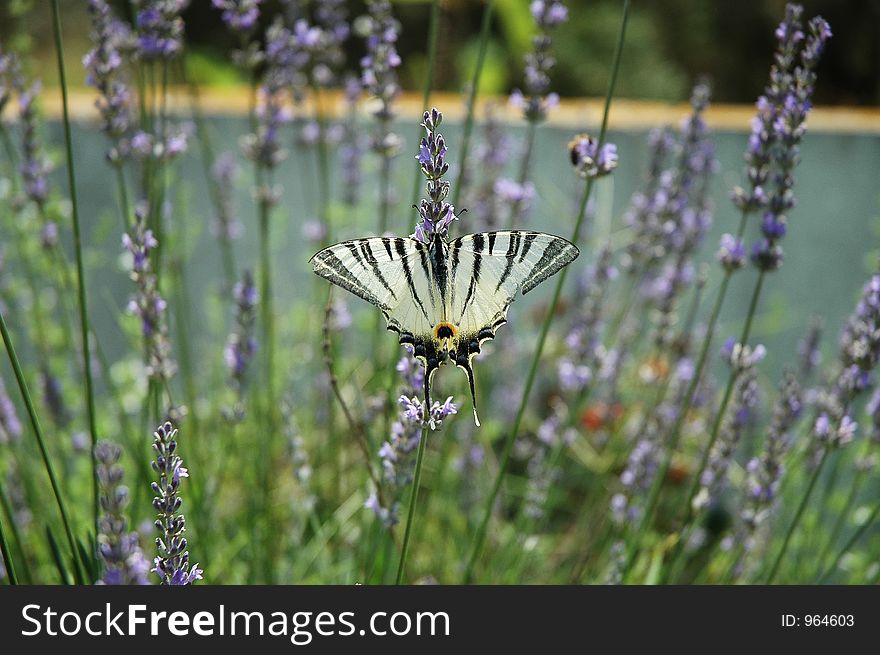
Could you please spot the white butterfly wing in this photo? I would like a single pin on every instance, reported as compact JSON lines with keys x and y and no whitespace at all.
{"x":487,"y":270}
{"x":394,"y":274}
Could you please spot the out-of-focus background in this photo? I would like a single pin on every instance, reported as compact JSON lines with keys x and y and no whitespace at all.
{"x":670,"y":42}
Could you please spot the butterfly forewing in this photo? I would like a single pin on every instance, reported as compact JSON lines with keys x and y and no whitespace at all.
{"x":391,"y":273}
{"x":493,"y":266}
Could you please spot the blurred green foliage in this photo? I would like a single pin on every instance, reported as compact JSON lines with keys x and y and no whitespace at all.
{"x":672,"y":42}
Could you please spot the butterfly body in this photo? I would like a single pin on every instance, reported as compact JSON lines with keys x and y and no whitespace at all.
{"x":444,"y":299}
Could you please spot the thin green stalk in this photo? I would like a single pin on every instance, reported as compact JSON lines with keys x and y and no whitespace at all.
{"x":38,"y":434}
{"x":675,"y":432}
{"x":728,"y":392}
{"x":719,"y":419}
{"x":122,"y":190}
{"x":182,"y":320}
{"x":520,"y":412}
{"x":545,"y":327}
{"x":417,"y":476}
{"x":531,"y":131}
{"x":266,"y":300}
{"x":16,"y":535}
{"x":797,"y":517}
{"x":80,"y":273}
{"x":433,"y":30}
{"x":8,"y":562}
{"x":323,"y":165}
{"x":841,"y":518}
{"x":850,"y":543}
{"x":471,"y":101}
{"x":208,"y":158}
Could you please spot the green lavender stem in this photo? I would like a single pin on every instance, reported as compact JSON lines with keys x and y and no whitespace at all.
{"x":206,"y":148}
{"x":417,"y":476}
{"x":80,"y":274}
{"x":850,"y":542}
{"x":4,"y":545}
{"x":38,"y":434}
{"x":675,"y":433}
{"x":719,"y":419}
{"x":472,"y":97}
{"x":16,"y":535}
{"x":545,"y":327}
{"x":797,"y":517}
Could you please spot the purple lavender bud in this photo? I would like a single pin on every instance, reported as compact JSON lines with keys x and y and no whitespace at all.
{"x":379,"y":66}
{"x":731,"y":252}
{"x":714,"y":477}
{"x":226,"y":227}
{"x":742,"y":357}
{"x":766,"y":255}
{"x":777,"y":129}
{"x":436,"y":214}
{"x":352,"y":144}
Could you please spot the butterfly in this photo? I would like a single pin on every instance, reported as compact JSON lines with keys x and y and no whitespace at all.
{"x":445,"y":298}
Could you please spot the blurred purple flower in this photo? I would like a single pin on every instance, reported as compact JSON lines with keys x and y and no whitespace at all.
{"x":241,"y":346}
{"x":124,"y":561}
{"x":147,"y":303}
{"x":239,"y":15}
{"x":111,"y":41}
{"x":536,"y":102}
{"x":159,"y":27}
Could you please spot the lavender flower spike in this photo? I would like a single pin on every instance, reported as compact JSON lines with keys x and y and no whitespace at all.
{"x":111,"y":41}
{"x":436,"y":214}
{"x":147,"y":303}
{"x":789,"y":99}
{"x":172,"y":562}
{"x":765,"y":472}
{"x":715,"y":474}
{"x":242,"y":344}
{"x":398,"y":453}
{"x":159,"y":28}
{"x":35,"y":166}
{"x":536,"y":101}
{"x":123,"y":558}
{"x":859,"y":356}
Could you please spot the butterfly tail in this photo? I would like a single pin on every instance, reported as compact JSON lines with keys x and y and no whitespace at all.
{"x":470,"y":375}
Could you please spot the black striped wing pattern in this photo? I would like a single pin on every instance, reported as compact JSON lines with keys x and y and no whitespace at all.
{"x":445,"y":299}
